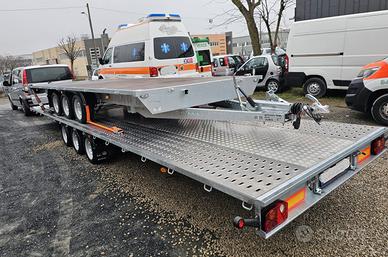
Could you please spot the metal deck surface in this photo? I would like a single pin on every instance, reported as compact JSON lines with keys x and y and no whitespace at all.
{"x":130,"y":86}
{"x":245,"y":160}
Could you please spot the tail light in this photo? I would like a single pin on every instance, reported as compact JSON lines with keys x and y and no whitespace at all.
{"x":378,"y":145}
{"x":274,"y":215}
{"x":226,"y":61}
{"x":287,"y":63}
{"x":154,"y":72}
{"x":197,"y":67}
{"x":25,"y":80}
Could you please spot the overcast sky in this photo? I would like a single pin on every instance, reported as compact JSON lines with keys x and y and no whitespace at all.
{"x":24,"y":32}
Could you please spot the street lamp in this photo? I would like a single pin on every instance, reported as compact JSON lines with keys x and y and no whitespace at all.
{"x":92,"y":32}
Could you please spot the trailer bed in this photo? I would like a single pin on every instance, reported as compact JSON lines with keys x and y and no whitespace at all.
{"x":251,"y":161}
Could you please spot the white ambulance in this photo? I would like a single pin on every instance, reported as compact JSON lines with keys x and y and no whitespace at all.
{"x":158,"y":46}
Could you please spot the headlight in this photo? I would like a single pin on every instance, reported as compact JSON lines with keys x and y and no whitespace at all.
{"x":368,"y":72}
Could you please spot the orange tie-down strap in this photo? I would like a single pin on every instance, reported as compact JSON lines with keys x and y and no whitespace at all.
{"x":113,"y":129}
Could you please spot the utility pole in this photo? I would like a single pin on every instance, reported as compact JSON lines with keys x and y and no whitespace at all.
{"x":91,"y":30}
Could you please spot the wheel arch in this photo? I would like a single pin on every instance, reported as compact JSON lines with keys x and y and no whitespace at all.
{"x":372,"y":98}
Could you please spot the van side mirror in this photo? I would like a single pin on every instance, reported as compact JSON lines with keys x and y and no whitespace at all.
{"x":101,"y":61}
{"x":6,"y":83}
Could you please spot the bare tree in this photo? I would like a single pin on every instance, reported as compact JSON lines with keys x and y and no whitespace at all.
{"x":9,"y":62}
{"x":70,"y":49}
{"x":247,"y":9}
{"x":271,"y":12}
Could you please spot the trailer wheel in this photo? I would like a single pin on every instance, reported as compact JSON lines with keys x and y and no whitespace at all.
{"x":67,"y":107}
{"x":79,"y":109}
{"x":95,"y":150}
{"x":66,"y":135}
{"x":56,"y":102}
{"x":380,"y":110}
{"x":77,"y":139}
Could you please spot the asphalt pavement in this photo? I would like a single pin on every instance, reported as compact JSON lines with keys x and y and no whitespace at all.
{"x":53,"y":202}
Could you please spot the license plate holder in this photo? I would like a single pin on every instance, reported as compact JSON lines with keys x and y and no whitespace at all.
{"x":331,"y":174}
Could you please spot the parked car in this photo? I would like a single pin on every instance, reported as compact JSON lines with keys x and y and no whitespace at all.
{"x":368,"y":93}
{"x":226,"y":65}
{"x":270,"y":67}
{"x":328,"y":53}
{"x":17,"y":86}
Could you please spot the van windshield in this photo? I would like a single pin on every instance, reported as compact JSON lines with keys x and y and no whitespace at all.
{"x":47,"y":74}
{"x":172,"y":48}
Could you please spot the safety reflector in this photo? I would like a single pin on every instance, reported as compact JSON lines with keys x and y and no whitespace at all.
{"x":296,"y":198}
{"x":364,"y":154}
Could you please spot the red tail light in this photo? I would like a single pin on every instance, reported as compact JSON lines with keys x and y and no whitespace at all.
{"x":378,"y":145}
{"x":154,"y":72}
{"x":226,"y":61}
{"x":25,"y":80}
{"x":287,"y":63}
{"x":197,"y":67}
{"x":274,"y":215}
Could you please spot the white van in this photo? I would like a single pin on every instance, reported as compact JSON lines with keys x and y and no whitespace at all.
{"x":328,"y":53}
{"x":159,"y":45}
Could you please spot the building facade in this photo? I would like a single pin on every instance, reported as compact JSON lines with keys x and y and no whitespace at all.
{"x":85,"y":62}
{"x":314,"y":9}
{"x":220,"y":44}
{"x":243,"y":45}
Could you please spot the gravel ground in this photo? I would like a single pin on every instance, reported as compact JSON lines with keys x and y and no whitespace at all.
{"x":53,"y":202}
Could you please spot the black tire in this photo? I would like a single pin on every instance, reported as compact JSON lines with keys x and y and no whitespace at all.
{"x":67,"y":106}
{"x":78,"y":141}
{"x":25,"y":107}
{"x":66,"y":135}
{"x":78,"y":105}
{"x":379,"y":110}
{"x":95,"y":150}
{"x":56,"y":102}
{"x":273,"y":85}
{"x":315,"y":87}
{"x":13,"y":107}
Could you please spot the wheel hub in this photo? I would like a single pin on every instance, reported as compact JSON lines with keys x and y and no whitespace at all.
{"x":314,"y":88}
{"x":75,"y":141}
{"x":273,"y":86}
{"x":56,"y":103}
{"x":65,"y":106}
{"x":64,"y":134}
{"x":88,"y":149}
{"x":78,"y":109}
{"x":384,"y":111}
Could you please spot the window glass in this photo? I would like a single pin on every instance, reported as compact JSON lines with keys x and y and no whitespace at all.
{"x":204,"y":58}
{"x":108,"y":56}
{"x":215,"y":62}
{"x":129,"y":53}
{"x":238,"y":60}
{"x":172,"y":48}
{"x":256,"y":63}
{"x":47,"y":74}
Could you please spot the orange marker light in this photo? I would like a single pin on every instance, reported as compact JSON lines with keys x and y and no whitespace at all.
{"x":365,"y":153}
{"x":296,"y":198}
{"x":163,"y":169}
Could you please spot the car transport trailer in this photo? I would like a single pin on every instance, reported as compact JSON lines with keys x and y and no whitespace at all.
{"x":277,"y":171}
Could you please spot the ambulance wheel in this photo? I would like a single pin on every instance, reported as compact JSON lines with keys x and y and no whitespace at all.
{"x":66,"y":135}
{"x":315,"y":87}
{"x":95,"y":150}
{"x":56,"y":102}
{"x":380,"y":110}
{"x":79,"y":109}
{"x":77,"y":139}
{"x":67,"y":107}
